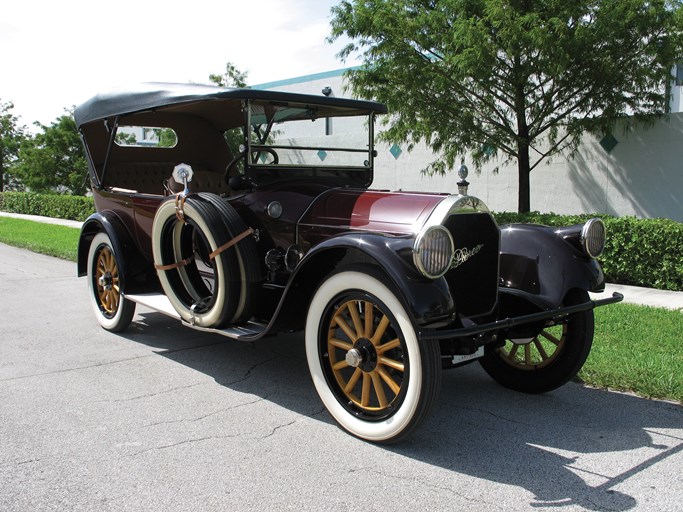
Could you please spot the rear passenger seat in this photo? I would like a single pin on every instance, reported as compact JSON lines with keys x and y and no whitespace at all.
{"x":150,"y":178}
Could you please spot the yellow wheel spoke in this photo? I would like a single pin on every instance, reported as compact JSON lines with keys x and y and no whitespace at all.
{"x":339,"y":365}
{"x":353,"y":381}
{"x":541,"y":350}
{"x":379,"y":389}
{"x":527,"y":354}
{"x":381,"y":349}
{"x":355,"y":316}
{"x":391,"y":363}
{"x":381,"y":329}
{"x":393,"y":385}
{"x":107,"y":259}
{"x":365,"y":393}
{"x":340,"y":344}
{"x":368,"y":320}
{"x":550,"y":338}
{"x":513,"y":352}
{"x":345,"y":327}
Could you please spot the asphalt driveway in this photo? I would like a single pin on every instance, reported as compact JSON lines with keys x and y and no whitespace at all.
{"x":166,"y":418}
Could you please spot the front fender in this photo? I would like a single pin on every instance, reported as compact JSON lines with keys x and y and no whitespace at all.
{"x":428,"y":301}
{"x":539,"y":265}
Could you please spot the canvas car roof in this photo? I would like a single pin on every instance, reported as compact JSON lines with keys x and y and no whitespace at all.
{"x":154,"y":96}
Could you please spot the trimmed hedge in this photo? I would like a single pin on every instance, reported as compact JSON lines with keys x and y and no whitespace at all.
{"x":48,"y":205}
{"x":639,"y":252}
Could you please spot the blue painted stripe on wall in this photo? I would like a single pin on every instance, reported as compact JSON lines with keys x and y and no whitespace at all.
{"x":305,"y":78}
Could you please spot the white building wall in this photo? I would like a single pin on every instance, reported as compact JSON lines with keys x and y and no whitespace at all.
{"x":675,"y":104}
{"x":642,"y":175}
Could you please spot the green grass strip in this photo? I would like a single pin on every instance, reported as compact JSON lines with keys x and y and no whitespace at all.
{"x":638,"y":349}
{"x":50,"y":239}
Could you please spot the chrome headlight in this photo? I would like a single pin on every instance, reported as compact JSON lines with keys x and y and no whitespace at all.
{"x":433,"y":251}
{"x":593,"y":235}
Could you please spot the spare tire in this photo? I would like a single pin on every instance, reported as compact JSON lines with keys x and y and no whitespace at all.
{"x":245,"y":250}
{"x":204,"y":290}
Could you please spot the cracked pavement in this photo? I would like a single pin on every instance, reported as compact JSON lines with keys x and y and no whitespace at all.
{"x":162,"y":417}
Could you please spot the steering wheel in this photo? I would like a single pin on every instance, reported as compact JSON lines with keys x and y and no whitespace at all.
{"x":229,"y":168}
{"x":270,"y":151}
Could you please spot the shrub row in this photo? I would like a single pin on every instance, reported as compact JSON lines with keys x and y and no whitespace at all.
{"x":640,"y":252}
{"x":47,"y":205}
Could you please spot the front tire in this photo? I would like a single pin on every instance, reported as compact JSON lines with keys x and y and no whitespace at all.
{"x":372,"y":374}
{"x":113,"y":311}
{"x":548,"y":360}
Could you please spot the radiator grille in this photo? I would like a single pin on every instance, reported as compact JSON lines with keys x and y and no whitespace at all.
{"x":473,"y":280}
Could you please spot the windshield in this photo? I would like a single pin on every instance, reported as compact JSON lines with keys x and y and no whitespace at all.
{"x":309,"y":140}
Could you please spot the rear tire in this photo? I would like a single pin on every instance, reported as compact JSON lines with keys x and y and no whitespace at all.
{"x":113,"y":311}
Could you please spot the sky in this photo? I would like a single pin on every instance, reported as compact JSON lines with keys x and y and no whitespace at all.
{"x":57,"y":54}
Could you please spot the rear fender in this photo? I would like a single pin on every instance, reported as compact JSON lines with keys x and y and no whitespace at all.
{"x":133,"y":267}
{"x":538,"y":265}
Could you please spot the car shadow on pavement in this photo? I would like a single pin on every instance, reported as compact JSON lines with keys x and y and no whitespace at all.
{"x":572,"y":447}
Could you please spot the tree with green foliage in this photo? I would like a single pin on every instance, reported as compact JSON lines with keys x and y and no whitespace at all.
{"x":232,"y":77}
{"x":53,"y":161}
{"x":11,"y":136}
{"x":509,"y":79}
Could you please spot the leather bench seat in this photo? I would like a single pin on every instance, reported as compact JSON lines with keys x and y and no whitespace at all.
{"x":150,"y":178}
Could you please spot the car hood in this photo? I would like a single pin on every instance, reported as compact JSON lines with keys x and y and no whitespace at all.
{"x":397,"y":213}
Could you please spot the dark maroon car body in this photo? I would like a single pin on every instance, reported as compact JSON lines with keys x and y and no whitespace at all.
{"x":309,"y":221}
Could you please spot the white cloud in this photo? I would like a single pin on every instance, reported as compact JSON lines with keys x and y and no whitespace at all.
{"x":57,"y":54}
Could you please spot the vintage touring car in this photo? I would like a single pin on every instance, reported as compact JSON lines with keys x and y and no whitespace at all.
{"x":241,"y":212}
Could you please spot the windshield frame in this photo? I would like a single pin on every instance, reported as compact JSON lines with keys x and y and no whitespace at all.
{"x":256,"y":142}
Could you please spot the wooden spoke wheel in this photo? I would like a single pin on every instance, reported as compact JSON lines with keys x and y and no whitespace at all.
{"x":374,"y":377}
{"x":113,"y":311}
{"x":367,"y":357}
{"x":107,"y":281}
{"x":535,"y":353}
{"x":549,"y":359}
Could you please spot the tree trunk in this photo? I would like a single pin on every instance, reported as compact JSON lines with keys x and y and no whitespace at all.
{"x":523,"y":162}
{"x":523,"y":192}
{"x":523,"y":143}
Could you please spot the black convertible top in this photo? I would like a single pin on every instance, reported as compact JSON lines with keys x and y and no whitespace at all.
{"x":151,"y":96}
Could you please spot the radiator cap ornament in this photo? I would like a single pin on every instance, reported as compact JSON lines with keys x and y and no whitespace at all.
{"x":463,"y":171}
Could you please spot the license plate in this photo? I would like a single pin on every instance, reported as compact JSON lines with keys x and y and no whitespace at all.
{"x":462,"y":358}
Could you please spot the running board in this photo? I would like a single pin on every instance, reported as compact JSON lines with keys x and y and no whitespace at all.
{"x":248,"y":331}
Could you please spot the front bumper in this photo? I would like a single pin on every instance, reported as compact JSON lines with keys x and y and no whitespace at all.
{"x":506,"y":323}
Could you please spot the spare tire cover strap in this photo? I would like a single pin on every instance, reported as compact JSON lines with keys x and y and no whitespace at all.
{"x":232,"y":242}
{"x":171,"y":266}
{"x":180,"y":206}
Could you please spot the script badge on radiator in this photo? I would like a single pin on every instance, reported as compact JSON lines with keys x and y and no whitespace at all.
{"x":462,"y":255}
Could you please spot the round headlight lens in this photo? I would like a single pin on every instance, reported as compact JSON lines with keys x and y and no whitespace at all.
{"x":593,"y":237}
{"x":433,"y":251}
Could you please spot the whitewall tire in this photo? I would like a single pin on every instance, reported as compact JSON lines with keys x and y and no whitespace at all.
{"x":105,"y":283}
{"x":372,"y":374}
